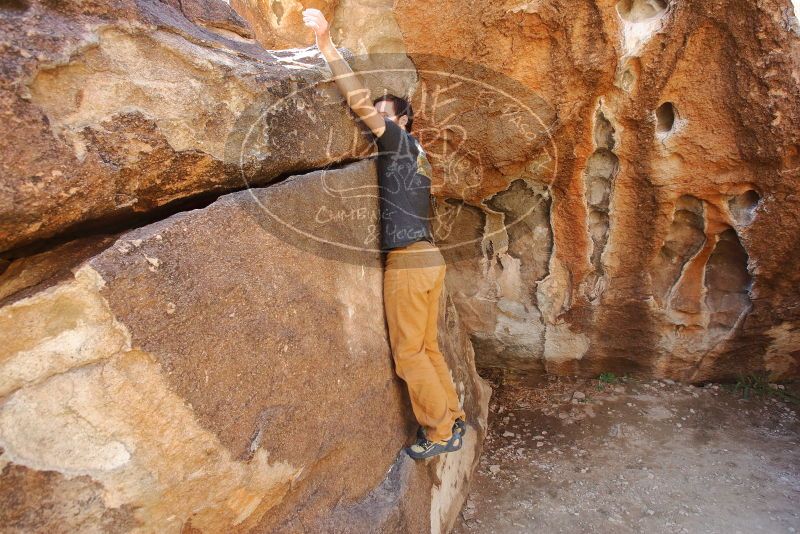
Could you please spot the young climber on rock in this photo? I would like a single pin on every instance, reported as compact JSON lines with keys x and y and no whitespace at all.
{"x":415,"y":268}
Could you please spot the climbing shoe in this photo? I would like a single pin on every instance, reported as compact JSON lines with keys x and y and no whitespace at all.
{"x":459,"y":426}
{"x":425,"y":448}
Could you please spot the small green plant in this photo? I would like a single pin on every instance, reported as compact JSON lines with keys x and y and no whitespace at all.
{"x":751,"y":385}
{"x":758,"y":385}
{"x":606,"y":378}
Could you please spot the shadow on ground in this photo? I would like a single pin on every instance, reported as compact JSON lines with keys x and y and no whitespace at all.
{"x":575,"y":456}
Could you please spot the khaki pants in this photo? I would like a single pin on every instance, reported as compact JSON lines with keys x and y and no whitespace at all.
{"x":412,"y":285}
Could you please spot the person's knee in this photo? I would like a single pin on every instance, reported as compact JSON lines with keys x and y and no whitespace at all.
{"x":417,"y":370}
{"x":407,"y":346}
{"x":416,"y":359}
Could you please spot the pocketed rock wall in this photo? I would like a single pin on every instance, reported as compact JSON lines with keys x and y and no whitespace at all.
{"x":649,"y":224}
{"x":660,"y":213}
{"x":204,"y":374}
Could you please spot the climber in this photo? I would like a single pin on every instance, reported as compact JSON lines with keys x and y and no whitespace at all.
{"x":415,"y":268}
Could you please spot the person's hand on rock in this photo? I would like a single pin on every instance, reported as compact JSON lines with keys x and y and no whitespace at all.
{"x":314,"y":19}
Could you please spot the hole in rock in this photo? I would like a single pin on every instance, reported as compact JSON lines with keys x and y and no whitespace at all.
{"x":628,"y":79}
{"x":684,"y":239}
{"x":665,"y":117}
{"x":728,"y":281}
{"x":603,"y":132}
{"x":598,"y":191}
{"x":600,"y":171}
{"x":743,"y":207}
{"x":639,"y":10}
{"x":527,"y":219}
{"x":598,"y":229}
{"x":277,"y":8}
{"x":628,"y":73}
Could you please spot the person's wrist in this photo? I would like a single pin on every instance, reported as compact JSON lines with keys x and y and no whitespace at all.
{"x":325,"y":43}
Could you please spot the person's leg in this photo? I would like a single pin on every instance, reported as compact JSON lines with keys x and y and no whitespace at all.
{"x":406,"y":302}
{"x":435,"y":355}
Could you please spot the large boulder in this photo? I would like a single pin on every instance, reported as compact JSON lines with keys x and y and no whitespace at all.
{"x":113,"y":110}
{"x":225,"y":369}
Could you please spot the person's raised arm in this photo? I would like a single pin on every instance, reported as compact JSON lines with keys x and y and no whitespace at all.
{"x":356,"y":94}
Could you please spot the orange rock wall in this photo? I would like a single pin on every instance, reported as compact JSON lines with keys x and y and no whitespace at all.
{"x":667,"y":166}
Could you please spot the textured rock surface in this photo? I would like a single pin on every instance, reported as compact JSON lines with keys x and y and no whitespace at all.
{"x":619,"y":187}
{"x":661,"y":179}
{"x":672,"y":196}
{"x":368,"y":28}
{"x":203,"y":373}
{"x":656,"y":199}
{"x":111,"y":109}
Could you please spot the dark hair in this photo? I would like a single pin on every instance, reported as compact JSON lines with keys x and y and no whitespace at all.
{"x":401,"y":107}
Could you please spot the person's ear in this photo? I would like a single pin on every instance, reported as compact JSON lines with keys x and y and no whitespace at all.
{"x":402,"y":121}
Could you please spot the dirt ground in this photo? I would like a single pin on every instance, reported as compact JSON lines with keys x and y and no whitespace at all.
{"x":578,"y":456}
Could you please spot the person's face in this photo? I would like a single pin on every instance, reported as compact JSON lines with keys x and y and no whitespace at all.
{"x":386,"y":109}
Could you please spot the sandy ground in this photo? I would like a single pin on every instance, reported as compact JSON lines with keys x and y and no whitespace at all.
{"x":634,"y":456}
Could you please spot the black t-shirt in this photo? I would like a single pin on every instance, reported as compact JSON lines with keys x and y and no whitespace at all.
{"x":404,"y":180}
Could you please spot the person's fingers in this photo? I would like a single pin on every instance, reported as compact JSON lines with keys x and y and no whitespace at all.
{"x":311,"y":12}
{"x":313,"y":18}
